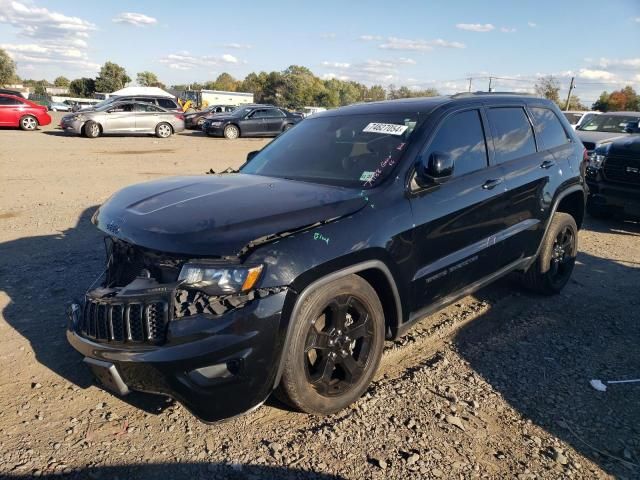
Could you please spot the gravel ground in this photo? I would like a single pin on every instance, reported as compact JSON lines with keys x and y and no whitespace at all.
{"x":495,"y":386}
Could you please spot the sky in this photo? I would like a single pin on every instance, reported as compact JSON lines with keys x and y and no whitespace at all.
{"x":420,"y":44}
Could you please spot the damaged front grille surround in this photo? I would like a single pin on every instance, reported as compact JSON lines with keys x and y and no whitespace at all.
{"x":193,"y":302}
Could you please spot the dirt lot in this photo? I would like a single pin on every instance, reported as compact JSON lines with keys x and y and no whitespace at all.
{"x":495,"y":386}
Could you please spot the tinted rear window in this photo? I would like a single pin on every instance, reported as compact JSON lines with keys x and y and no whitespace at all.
{"x":461,"y":136}
{"x":9,"y":101}
{"x":512,"y":134}
{"x":548,"y":128}
{"x":167,"y":103}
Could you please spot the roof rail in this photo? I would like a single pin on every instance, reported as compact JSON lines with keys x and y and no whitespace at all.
{"x":479,"y":92}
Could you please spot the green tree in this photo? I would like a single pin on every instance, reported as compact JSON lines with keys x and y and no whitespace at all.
{"x":376,"y":93}
{"x":548,"y":87}
{"x":255,"y":83}
{"x":112,"y":77}
{"x":82,"y":87}
{"x":226,"y":83}
{"x":574,"y":104}
{"x":148,"y":79}
{"x":602,"y":104}
{"x":61,"y":82}
{"x":7,"y":68}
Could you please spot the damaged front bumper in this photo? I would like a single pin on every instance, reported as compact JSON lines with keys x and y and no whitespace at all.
{"x":215,"y":355}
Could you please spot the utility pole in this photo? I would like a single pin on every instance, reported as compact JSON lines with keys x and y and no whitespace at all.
{"x":571,"y":87}
{"x":470,"y":83}
{"x":490,"y":78}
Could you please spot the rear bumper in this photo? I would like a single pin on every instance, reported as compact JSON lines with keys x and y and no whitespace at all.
{"x":44,"y":119}
{"x":216,"y":367}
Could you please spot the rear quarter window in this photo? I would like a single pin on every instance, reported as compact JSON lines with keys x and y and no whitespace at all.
{"x":548,"y":128}
{"x":167,"y":103}
{"x":512,"y":133}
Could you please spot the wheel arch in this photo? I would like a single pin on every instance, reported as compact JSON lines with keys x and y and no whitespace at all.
{"x":573,"y":203}
{"x":375,"y":272}
{"x":23,"y":116}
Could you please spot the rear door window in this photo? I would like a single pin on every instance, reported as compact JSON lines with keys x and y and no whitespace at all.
{"x":10,"y":101}
{"x":167,"y":103}
{"x":462,"y":137}
{"x":548,"y":128}
{"x":512,"y":133}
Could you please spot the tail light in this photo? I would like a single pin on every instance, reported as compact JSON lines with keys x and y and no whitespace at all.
{"x":179,"y":116}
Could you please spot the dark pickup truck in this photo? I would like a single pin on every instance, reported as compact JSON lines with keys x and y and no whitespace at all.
{"x":613,"y":176}
{"x":343,"y":231}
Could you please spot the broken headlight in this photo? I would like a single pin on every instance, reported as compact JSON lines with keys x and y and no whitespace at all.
{"x":219,"y":280}
{"x":596,"y":160}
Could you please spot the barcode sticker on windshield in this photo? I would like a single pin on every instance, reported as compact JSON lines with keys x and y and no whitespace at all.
{"x":367,"y":176}
{"x":386,"y":128}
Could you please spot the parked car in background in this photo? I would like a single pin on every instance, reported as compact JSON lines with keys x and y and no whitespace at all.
{"x":577,"y":118}
{"x":613,"y":176}
{"x":345,"y":230}
{"x":124,"y":118}
{"x":606,"y":126}
{"x":308,"y":111}
{"x":167,"y":103}
{"x":60,"y":107}
{"x":196,"y":119}
{"x":17,"y":111}
{"x":251,"y":121}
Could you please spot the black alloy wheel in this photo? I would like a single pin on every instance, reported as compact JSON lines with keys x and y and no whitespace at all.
{"x":562,"y":258}
{"x":338,"y":346}
{"x":337,"y":339}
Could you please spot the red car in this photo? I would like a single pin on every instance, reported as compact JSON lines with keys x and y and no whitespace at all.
{"x":20,"y":112}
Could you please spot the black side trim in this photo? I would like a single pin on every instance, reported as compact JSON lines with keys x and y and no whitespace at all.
{"x":359,"y":267}
{"x":449,"y":299}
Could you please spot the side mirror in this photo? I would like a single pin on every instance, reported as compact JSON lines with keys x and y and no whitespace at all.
{"x":436,"y":168}
{"x":250,"y":155}
{"x":632,"y":127}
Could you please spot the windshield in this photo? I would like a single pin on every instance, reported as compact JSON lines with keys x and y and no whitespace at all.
{"x":609,"y":123}
{"x":357,"y":151}
{"x":573,"y":118}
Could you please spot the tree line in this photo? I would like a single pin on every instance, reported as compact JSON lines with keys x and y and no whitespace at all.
{"x":294,"y":88}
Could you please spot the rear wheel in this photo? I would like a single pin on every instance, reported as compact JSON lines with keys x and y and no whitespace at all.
{"x":336,"y":346}
{"x":163,"y":130}
{"x":553,"y":267}
{"x":231,"y":132}
{"x":28,"y":122}
{"x":91,"y":129}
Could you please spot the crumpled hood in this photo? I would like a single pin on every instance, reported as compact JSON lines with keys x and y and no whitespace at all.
{"x":598,"y":137}
{"x":217,"y":215}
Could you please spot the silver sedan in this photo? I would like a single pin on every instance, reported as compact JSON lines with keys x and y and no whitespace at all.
{"x":124,"y":118}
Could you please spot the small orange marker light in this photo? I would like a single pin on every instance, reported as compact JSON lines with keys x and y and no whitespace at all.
{"x":252,"y":278}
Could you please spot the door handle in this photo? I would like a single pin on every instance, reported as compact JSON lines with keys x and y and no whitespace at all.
{"x":547,"y":164}
{"x":490,"y":184}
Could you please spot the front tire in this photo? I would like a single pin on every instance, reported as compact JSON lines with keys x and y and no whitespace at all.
{"x":552,"y":269}
{"x":28,"y":122}
{"x":231,"y":132}
{"x":335,"y":348}
{"x":163,"y":130}
{"x":91,"y":129}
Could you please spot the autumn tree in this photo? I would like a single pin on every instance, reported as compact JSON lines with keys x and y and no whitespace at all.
{"x":7,"y":68}
{"x":112,"y":77}
{"x":625,"y":99}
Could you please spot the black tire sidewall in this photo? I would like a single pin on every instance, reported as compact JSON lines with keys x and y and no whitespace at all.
{"x":294,"y":380}
{"x":158,"y":130}
{"x":28,"y":129}
{"x":87,"y":129}
{"x":559,"y":222}
{"x":229,"y":127}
